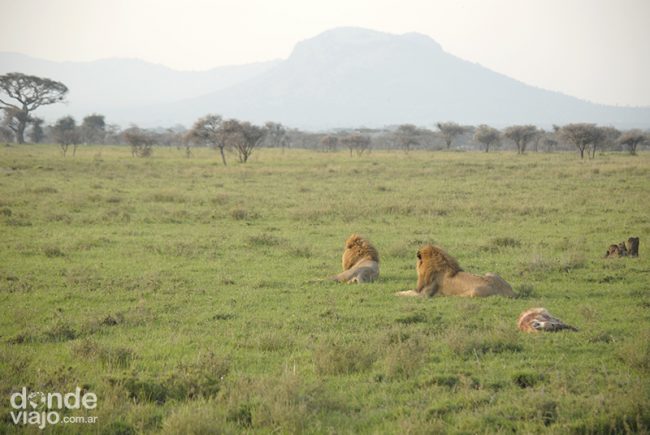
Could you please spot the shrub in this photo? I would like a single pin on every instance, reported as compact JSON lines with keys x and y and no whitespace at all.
{"x":527,"y":379}
{"x":60,"y":331}
{"x":265,"y":240}
{"x":405,"y":358}
{"x":53,"y":251}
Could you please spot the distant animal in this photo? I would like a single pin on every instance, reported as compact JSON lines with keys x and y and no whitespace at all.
{"x":360,"y":261}
{"x":539,"y":319}
{"x":615,"y":251}
{"x":632,"y":246}
{"x":440,"y":274}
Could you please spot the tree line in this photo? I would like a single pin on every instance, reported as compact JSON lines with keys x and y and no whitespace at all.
{"x":584,"y":137}
{"x":21,"y":95}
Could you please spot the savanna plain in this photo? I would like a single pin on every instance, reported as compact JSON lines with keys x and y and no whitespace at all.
{"x":192,"y":297}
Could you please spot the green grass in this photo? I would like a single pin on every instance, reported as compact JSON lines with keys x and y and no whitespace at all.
{"x":189,"y":296}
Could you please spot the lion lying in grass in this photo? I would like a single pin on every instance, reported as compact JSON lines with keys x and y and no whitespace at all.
{"x":624,"y":249}
{"x":360,"y":261}
{"x":440,"y":274}
{"x":619,"y":250}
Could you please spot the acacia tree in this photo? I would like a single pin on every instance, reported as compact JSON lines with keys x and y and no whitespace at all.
{"x":356,"y":142}
{"x":253,"y":136}
{"x":406,"y":136}
{"x":487,"y":136}
{"x":242,"y":137}
{"x":66,"y":133}
{"x":141,"y":141}
{"x":209,"y":131}
{"x":549,"y":142}
{"x":276,"y":135}
{"x":581,"y":135}
{"x":521,"y":135}
{"x":329,"y":142}
{"x":606,"y":138}
{"x":538,"y":138}
{"x":93,"y":129}
{"x":449,"y":131}
{"x":631,"y":139}
{"x":22,"y":94}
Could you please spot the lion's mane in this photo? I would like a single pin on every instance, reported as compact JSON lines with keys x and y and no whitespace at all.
{"x":360,"y":261}
{"x":357,"y":248}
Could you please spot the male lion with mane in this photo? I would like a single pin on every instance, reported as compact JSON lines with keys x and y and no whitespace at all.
{"x":360,"y":261}
{"x":440,"y":274}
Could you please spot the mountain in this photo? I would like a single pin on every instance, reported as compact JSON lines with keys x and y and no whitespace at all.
{"x":114,"y":86}
{"x":349,"y":77}
{"x":344,"y":77}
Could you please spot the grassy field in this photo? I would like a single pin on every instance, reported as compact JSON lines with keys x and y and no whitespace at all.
{"x":189,"y":296}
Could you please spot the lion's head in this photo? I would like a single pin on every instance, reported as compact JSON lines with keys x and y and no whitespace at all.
{"x":357,"y":248}
{"x":432,"y":260}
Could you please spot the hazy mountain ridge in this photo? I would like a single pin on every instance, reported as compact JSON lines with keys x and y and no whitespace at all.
{"x":114,"y":86}
{"x":349,"y":77}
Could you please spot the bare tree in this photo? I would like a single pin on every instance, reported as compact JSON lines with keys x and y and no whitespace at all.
{"x":329,"y":142}
{"x":581,"y":135}
{"x":632,"y":138}
{"x":65,"y":132}
{"x":449,"y":131}
{"x":357,"y":142}
{"x":276,"y":135}
{"x":25,"y":93}
{"x":520,"y":135}
{"x":487,"y":135}
{"x":407,"y":136}
{"x":141,"y":141}
{"x":210,"y":131}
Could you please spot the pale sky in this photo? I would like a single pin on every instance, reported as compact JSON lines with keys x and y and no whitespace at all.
{"x":598,"y":50}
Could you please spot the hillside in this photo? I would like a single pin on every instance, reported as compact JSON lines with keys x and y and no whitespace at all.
{"x":345,"y":77}
{"x":114,"y":87}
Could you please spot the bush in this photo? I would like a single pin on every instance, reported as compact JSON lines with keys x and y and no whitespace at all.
{"x":527,"y":379}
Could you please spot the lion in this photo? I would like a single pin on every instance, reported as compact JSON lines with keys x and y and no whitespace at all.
{"x":360,"y":261}
{"x":539,"y":319}
{"x":440,"y":274}
{"x":616,"y":251}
